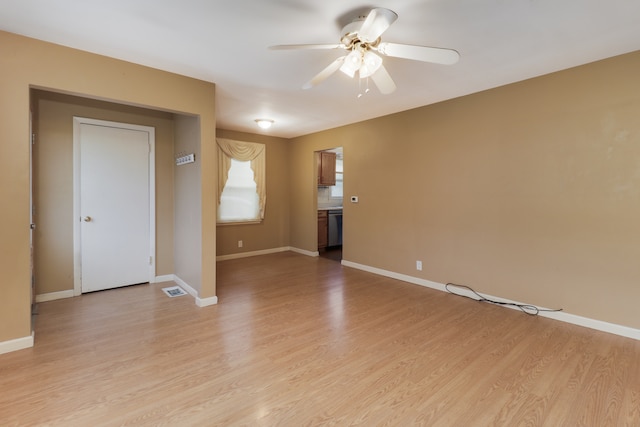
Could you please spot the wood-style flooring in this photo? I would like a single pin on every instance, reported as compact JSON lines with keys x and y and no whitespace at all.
{"x":300,"y":341}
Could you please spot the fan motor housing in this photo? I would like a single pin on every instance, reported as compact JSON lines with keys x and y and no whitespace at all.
{"x":350,"y":35}
{"x":350,"y":31}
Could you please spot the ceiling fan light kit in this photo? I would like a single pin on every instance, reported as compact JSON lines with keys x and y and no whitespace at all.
{"x":370,"y":64}
{"x":361,"y":39}
{"x":351,"y":63}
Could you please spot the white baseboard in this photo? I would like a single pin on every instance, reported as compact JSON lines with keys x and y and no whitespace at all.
{"x":205,"y":302}
{"x":304,"y":252}
{"x":51,"y":296}
{"x":165,"y":278}
{"x":253,"y":253}
{"x":266,"y":252}
{"x":16,"y":344}
{"x":562,"y":316}
{"x":184,"y":285}
{"x":200,"y":302}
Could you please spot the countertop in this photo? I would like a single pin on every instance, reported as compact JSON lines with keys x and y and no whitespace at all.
{"x":333,"y":208}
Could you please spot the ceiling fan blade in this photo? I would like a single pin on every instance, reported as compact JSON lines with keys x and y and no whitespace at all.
{"x":383,"y":81}
{"x":419,"y":53}
{"x":324,"y":74}
{"x":376,"y":23}
{"x":306,"y":46}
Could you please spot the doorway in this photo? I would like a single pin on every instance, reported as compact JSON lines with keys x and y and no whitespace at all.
{"x":114,"y":204}
{"x":330,"y":203}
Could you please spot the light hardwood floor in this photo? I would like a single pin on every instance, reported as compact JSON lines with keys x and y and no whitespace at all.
{"x":299,"y":341}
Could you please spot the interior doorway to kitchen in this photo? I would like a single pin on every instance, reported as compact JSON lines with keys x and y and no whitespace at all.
{"x":330,"y":181}
{"x":333,"y":253}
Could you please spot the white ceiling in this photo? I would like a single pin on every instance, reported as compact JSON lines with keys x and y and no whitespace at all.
{"x":225,"y":42}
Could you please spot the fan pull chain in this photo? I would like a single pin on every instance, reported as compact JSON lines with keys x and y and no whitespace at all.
{"x":366,"y":90}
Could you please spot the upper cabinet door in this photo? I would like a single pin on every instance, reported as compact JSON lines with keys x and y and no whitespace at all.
{"x":326,"y":168}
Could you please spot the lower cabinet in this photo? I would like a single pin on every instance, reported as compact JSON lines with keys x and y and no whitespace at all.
{"x":323,"y":229}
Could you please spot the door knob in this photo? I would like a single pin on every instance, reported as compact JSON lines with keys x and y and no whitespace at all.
{"x":87,"y":219}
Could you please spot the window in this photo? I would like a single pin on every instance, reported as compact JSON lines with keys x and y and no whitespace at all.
{"x":239,"y":199}
{"x":241,"y":181}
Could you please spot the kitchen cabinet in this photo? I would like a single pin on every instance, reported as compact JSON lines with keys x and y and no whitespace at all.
{"x":326,"y":168}
{"x":323,"y":229}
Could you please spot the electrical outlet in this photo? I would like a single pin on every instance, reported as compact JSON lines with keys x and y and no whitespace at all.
{"x":239,"y":243}
{"x":419,"y":265}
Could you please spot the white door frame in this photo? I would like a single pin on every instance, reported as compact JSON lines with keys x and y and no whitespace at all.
{"x":77,"y":253}
{"x":31,"y":216}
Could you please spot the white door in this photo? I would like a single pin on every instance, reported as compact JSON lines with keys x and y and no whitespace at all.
{"x":114,"y":204}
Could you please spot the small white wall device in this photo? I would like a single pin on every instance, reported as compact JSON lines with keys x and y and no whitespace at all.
{"x":183,"y":160}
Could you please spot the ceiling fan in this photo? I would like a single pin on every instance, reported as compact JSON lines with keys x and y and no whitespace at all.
{"x":361,"y":40}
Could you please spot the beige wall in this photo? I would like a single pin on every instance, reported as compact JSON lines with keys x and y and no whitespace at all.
{"x":188,"y":243}
{"x":529,"y":192}
{"x":27,"y":63}
{"x":273,"y":232}
{"x":53,"y":182}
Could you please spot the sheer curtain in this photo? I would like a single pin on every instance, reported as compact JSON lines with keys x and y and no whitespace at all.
{"x":244,"y":151}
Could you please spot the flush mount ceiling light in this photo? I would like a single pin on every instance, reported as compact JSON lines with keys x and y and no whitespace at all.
{"x":264,"y":123}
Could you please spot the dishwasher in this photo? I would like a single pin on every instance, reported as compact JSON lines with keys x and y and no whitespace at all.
{"x":335,"y":227}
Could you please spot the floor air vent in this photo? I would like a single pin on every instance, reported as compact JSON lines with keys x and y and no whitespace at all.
{"x":174,"y":291}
